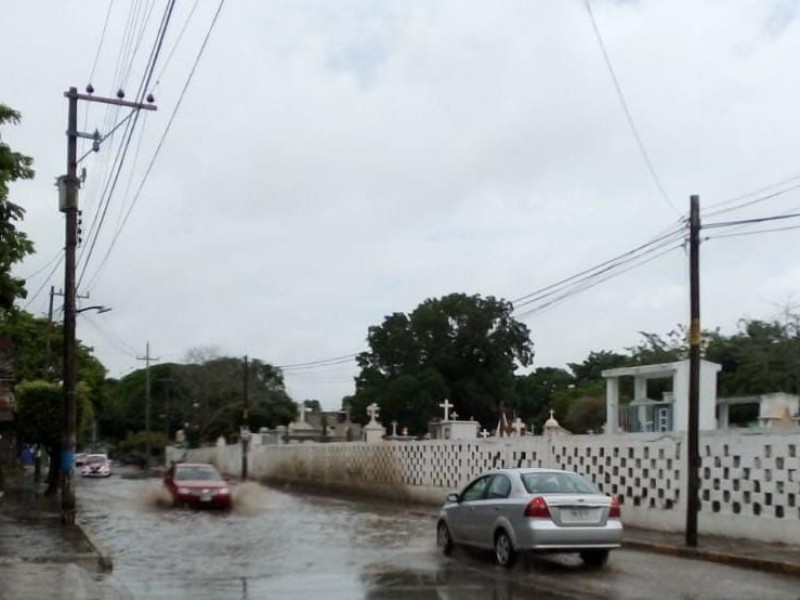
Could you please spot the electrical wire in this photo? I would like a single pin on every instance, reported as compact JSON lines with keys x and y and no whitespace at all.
{"x":336,"y":360}
{"x":177,"y":42}
{"x":115,"y":341}
{"x":595,"y":282}
{"x":730,"y":235}
{"x":160,"y":144}
{"x":750,"y":221}
{"x":102,"y":38}
{"x":44,"y":283}
{"x":599,"y":269}
{"x":626,"y":109}
{"x":103,"y":138}
{"x":754,"y":201}
{"x":59,"y":254}
{"x":129,"y":131}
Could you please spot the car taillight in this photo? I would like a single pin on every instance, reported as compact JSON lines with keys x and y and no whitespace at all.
{"x":614,"y":512}
{"x":537,"y":509}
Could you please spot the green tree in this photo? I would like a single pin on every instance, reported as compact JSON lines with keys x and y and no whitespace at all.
{"x":762,"y":357}
{"x":14,"y":244}
{"x":535,"y":393}
{"x":592,"y":367}
{"x":206,"y":399}
{"x":460,"y":347}
{"x":39,"y":419}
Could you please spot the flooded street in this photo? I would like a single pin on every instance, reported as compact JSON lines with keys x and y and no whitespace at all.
{"x":281,"y":544}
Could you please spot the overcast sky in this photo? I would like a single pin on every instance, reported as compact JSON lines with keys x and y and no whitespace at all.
{"x":334,"y":162}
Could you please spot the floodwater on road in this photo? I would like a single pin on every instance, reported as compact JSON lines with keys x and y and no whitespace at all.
{"x":281,"y":544}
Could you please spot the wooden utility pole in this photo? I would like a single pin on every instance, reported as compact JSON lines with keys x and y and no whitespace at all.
{"x":147,"y":360}
{"x":693,"y":441}
{"x":245,"y":431}
{"x":68,"y":204}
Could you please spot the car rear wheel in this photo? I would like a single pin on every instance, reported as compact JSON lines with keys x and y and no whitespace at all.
{"x":504,"y":551}
{"x":594,"y":558}
{"x":443,"y":539}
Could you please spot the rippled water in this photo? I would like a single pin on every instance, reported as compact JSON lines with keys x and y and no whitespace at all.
{"x":270,"y":541}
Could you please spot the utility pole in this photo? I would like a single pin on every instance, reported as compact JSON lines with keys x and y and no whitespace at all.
{"x":693,"y":443}
{"x":68,"y":204}
{"x":70,"y":209}
{"x":166,"y":381}
{"x":245,"y":433}
{"x":147,"y":360}
{"x":48,"y":363}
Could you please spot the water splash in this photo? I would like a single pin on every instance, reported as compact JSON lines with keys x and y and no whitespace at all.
{"x":154,"y":496}
{"x":250,"y":498}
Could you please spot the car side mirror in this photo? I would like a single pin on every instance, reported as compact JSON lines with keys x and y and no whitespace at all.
{"x":453,"y":498}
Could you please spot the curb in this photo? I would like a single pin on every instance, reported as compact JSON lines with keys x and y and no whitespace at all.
{"x":749,"y":562}
{"x":103,"y":557}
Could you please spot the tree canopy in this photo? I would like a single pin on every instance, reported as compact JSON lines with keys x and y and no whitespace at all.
{"x":14,"y":244}
{"x":205,"y":399}
{"x":463,"y":348}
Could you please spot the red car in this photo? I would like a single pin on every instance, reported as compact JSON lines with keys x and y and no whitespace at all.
{"x":197,"y":485}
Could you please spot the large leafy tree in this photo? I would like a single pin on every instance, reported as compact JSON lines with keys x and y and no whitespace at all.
{"x":463,"y":348}
{"x":536,"y":391}
{"x":762,"y":357}
{"x":31,"y":336}
{"x":206,"y":399}
{"x":14,"y":244}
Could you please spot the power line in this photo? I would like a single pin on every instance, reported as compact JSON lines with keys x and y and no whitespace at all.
{"x":160,"y":143}
{"x":177,"y":42}
{"x":102,"y":38}
{"x":114,"y":340}
{"x":45,"y":282}
{"x":754,"y":201}
{"x":58,"y":254}
{"x":129,"y":130}
{"x":626,"y":109}
{"x":613,"y":263}
{"x":325,"y":362}
{"x":750,"y":221}
{"x":592,"y":283}
{"x":730,"y":235}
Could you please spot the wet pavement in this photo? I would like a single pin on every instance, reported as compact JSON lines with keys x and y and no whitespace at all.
{"x":282,"y":544}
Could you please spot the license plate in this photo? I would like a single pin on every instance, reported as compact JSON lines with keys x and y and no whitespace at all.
{"x":580,"y":515}
{"x":205,"y":498}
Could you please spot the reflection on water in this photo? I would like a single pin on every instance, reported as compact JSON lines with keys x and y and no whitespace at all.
{"x":279,"y":545}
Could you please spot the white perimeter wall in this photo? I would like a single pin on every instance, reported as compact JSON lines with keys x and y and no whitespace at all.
{"x":750,"y":482}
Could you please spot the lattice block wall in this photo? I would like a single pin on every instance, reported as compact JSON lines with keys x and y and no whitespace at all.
{"x":755,"y":476}
{"x":749,"y":482}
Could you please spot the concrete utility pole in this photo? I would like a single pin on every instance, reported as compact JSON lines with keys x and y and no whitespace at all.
{"x":245,"y":433}
{"x":68,"y":204}
{"x":48,"y":362}
{"x":693,"y":443}
{"x":147,"y":360}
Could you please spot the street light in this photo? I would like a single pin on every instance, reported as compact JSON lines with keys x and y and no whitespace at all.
{"x":99,"y":308}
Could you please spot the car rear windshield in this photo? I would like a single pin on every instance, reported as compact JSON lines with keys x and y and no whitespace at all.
{"x":197,"y":474}
{"x":95,"y":459}
{"x":557,"y":483}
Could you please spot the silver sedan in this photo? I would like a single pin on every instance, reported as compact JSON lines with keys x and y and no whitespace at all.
{"x":537,"y":510}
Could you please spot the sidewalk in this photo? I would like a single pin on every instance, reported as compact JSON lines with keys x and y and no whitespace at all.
{"x":775,"y":558}
{"x":748,"y":554}
{"x":40,"y":558}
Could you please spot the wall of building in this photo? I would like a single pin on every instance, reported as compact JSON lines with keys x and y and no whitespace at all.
{"x":750,"y":482}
